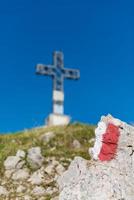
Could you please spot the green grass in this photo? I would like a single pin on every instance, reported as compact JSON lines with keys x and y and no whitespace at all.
{"x":60,"y":146}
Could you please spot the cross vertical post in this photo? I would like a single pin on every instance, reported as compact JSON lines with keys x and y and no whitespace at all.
{"x":58,"y":73}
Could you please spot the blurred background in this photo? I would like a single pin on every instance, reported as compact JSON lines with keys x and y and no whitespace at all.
{"x":95,"y":36}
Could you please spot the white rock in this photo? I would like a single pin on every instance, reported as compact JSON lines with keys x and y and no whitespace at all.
{"x":20,"y":189}
{"x":21,"y":154}
{"x":13,"y":162}
{"x":72,"y":174}
{"x":3,"y":191}
{"x":8,"y":173}
{"x":34,"y":157}
{"x":49,"y":169}
{"x":37,"y":178}
{"x":20,"y":175}
{"x":46,"y":137}
{"x":102,"y":180}
{"x":38,"y":191}
{"x":49,"y":191}
{"x":27,"y":197}
{"x":60,"y":169}
{"x":76,"y":144}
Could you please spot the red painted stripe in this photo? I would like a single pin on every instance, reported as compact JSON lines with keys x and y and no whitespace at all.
{"x":109,"y":143}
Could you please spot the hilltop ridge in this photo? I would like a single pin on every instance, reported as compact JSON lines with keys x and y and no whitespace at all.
{"x":40,"y":154}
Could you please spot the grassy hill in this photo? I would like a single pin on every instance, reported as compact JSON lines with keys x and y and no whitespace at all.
{"x":60,"y":146}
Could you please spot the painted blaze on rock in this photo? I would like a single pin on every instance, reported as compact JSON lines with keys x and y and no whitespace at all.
{"x":109,"y":143}
{"x":107,"y":136}
{"x":110,"y":173}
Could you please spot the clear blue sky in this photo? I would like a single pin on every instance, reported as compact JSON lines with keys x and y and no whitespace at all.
{"x":96,"y":36}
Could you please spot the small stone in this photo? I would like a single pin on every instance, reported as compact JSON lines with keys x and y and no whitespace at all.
{"x":20,"y":189}
{"x":34,"y":157}
{"x":38,"y":191}
{"x":21,"y":154}
{"x":76,"y":144}
{"x":49,"y":191}
{"x":8,"y":173}
{"x":60,"y":169}
{"x":36,"y":178}
{"x":49,"y":169}
{"x":3,"y":191}
{"x":46,"y":137}
{"x":20,"y":175}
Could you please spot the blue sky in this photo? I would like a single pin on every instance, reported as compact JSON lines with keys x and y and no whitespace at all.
{"x":96,"y":36}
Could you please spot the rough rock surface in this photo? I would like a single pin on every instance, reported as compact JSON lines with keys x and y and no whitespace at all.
{"x":3,"y":191}
{"x":37,"y":178}
{"x":21,"y":174}
{"x":13,"y":162}
{"x":34,"y":157}
{"x":102,"y":180}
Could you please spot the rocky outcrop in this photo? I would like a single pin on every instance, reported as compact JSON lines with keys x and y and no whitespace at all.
{"x":105,"y":177}
{"x":21,"y":183}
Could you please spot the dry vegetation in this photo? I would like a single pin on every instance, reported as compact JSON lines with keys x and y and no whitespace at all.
{"x":60,"y":146}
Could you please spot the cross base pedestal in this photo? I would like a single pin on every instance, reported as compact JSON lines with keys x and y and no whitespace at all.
{"x":55,"y":119}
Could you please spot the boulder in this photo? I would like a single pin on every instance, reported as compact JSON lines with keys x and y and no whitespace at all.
{"x":34,"y":157}
{"x":105,"y":177}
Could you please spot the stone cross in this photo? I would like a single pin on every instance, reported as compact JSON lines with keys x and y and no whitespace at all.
{"x":58,"y":74}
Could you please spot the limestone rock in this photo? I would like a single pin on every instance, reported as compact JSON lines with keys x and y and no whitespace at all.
{"x":21,"y":154}
{"x":60,"y":169}
{"x":3,"y":191}
{"x":34,"y":157}
{"x":20,"y":189}
{"x":49,"y":191}
{"x":102,"y":180}
{"x":38,"y":191}
{"x":20,"y":175}
{"x":72,"y":175}
{"x":76,"y":144}
{"x":8,"y":173}
{"x":37,"y":178}
{"x":13,"y":162}
{"x":49,"y":169}
{"x":46,"y":137}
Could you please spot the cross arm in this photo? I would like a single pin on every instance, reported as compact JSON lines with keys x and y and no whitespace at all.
{"x":44,"y":69}
{"x":72,"y":74}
